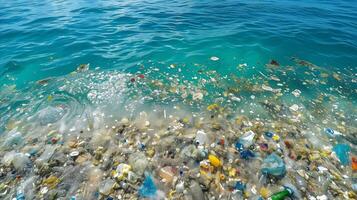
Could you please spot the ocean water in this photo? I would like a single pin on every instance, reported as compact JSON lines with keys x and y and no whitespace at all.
{"x":71,"y":70}
{"x":50,"y":38}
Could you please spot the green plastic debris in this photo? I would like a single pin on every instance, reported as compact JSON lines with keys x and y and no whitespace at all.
{"x":287,"y":192}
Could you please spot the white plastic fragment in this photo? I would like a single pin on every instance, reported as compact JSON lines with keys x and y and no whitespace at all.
{"x":294,"y":108}
{"x":201,"y":137}
{"x":44,"y":190}
{"x":322,"y":169}
{"x":267,"y":88}
{"x":247,"y":138}
{"x":214,"y":58}
{"x":197,"y":96}
{"x":242,"y":65}
{"x":296,"y":93}
{"x":322,"y":197}
{"x":74,"y":153}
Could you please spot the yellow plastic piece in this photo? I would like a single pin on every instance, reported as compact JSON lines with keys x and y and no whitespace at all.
{"x":264,"y":192}
{"x":212,"y":107}
{"x":51,"y":181}
{"x":214,"y":160}
{"x":123,"y":172}
{"x":232,"y":172}
{"x":171,"y":194}
{"x":276,"y":137}
{"x":186,"y":120}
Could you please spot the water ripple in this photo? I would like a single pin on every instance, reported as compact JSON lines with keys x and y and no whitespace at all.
{"x":57,"y":35}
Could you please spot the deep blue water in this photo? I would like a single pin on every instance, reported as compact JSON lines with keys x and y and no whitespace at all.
{"x":46,"y":38}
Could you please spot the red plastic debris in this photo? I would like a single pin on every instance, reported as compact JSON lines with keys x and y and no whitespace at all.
{"x":221,"y":142}
{"x":54,"y":140}
{"x":288,"y":144}
{"x":264,"y":146}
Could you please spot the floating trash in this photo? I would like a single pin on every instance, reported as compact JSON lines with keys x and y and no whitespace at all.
{"x":331,"y":132}
{"x":342,"y":152}
{"x":296,"y":93}
{"x":214,"y":58}
{"x":273,"y":165}
{"x":287,"y":192}
{"x":148,"y":188}
{"x":200,"y":135}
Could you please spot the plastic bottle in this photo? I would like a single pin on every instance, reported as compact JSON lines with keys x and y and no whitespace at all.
{"x":287,"y":192}
{"x":106,"y":186}
{"x":273,"y":165}
{"x":49,"y":150}
{"x":13,"y":139}
{"x":26,"y":190}
{"x":332,"y":133}
{"x":20,"y":161}
{"x":247,"y":139}
{"x":196,"y":191}
{"x":201,"y":137}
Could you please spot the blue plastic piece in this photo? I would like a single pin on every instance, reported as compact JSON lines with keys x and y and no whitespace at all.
{"x":148,"y":188}
{"x":342,"y":152}
{"x":332,"y":133}
{"x":329,"y":131}
{"x":33,"y":152}
{"x":289,"y":189}
{"x":273,"y":165}
{"x":269,"y":134}
{"x":142,"y":146}
{"x":239,"y":186}
{"x":20,"y":196}
{"x":239,"y":146}
{"x":246,"y":154}
{"x":110,"y":198}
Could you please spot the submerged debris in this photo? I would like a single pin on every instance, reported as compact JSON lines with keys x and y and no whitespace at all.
{"x":157,"y":134}
{"x":82,"y":68}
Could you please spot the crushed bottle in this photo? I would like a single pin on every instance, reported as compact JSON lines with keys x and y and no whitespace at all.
{"x":273,"y":165}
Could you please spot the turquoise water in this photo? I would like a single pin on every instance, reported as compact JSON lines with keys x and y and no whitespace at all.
{"x":88,"y":85}
{"x":50,"y":38}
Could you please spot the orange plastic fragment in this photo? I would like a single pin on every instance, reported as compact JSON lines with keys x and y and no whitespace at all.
{"x":354,"y":163}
